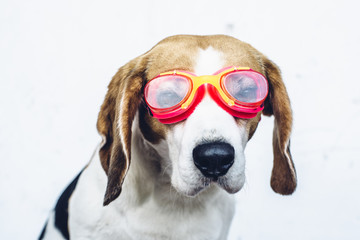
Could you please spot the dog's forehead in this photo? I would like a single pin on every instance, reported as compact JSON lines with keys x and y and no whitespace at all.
{"x":192,"y":53}
{"x":208,"y":61}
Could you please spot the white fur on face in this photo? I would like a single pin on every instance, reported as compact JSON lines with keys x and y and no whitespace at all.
{"x":208,"y":123}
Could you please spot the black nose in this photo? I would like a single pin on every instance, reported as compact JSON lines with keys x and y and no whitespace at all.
{"x":213,"y":159}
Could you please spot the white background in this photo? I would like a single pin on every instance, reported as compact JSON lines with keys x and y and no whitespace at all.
{"x":57,"y":57}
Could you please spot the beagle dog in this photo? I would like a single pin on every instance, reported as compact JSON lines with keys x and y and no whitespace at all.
{"x":152,"y":179}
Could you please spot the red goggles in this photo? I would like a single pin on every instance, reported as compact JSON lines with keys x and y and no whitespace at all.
{"x":172,"y":96}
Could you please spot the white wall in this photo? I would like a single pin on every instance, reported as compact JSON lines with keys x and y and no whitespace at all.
{"x":57,"y":57}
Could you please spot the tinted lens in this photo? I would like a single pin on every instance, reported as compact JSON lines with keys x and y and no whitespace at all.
{"x":166,"y":91}
{"x":246,"y":86}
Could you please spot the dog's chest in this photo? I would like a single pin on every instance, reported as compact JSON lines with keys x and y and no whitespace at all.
{"x":152,"y":219}
{"x":150,"y":222}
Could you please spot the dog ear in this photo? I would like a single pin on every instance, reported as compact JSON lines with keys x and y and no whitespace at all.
{"x":283,"y":178}
{"x":114,"y":125}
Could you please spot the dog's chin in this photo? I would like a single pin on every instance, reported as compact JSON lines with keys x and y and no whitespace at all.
{"x":203,"y":184}
{"x":230,"y":186}
{"x":192,"y":190}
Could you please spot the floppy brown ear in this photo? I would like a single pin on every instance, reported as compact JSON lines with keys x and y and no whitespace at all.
{"x":283,"y":178}
{"x":114,"y":125}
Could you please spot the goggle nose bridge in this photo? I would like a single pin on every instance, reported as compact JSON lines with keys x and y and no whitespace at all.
{"x":210,"y":79}
{"x":213,"y":80}
{"x":198,"y":81}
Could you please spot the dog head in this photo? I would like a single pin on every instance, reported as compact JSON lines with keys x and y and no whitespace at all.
{"x":207,"y":148}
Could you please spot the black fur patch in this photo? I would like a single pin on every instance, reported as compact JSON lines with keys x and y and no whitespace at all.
{"x":62,"y":206}
{"x":43,"y":232}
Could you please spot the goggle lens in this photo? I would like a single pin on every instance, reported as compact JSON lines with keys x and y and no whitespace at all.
{"x":167,"y":92}
{"x":246,"y":87}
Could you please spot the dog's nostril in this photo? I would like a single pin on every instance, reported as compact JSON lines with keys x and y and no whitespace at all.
{"x":213,"y":159}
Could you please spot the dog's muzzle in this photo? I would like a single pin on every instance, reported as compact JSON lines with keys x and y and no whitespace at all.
{"x":214,"y":159}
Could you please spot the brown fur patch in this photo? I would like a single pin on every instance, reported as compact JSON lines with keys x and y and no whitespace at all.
{"x":152,"y":130}
{"x":120,"y":104}
{"x":283,"y":179}
{"x":250,"y":124}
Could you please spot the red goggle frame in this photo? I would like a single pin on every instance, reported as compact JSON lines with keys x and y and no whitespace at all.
{"x":172,"y":96}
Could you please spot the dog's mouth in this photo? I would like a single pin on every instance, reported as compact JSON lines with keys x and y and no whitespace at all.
{"x":214,"y":182}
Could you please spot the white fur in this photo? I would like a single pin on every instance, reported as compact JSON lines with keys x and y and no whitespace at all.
{"x":120,"y":127}
{"x":164,"y":196}
{"x":288,"y":159}
{"x":208,"y":62}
